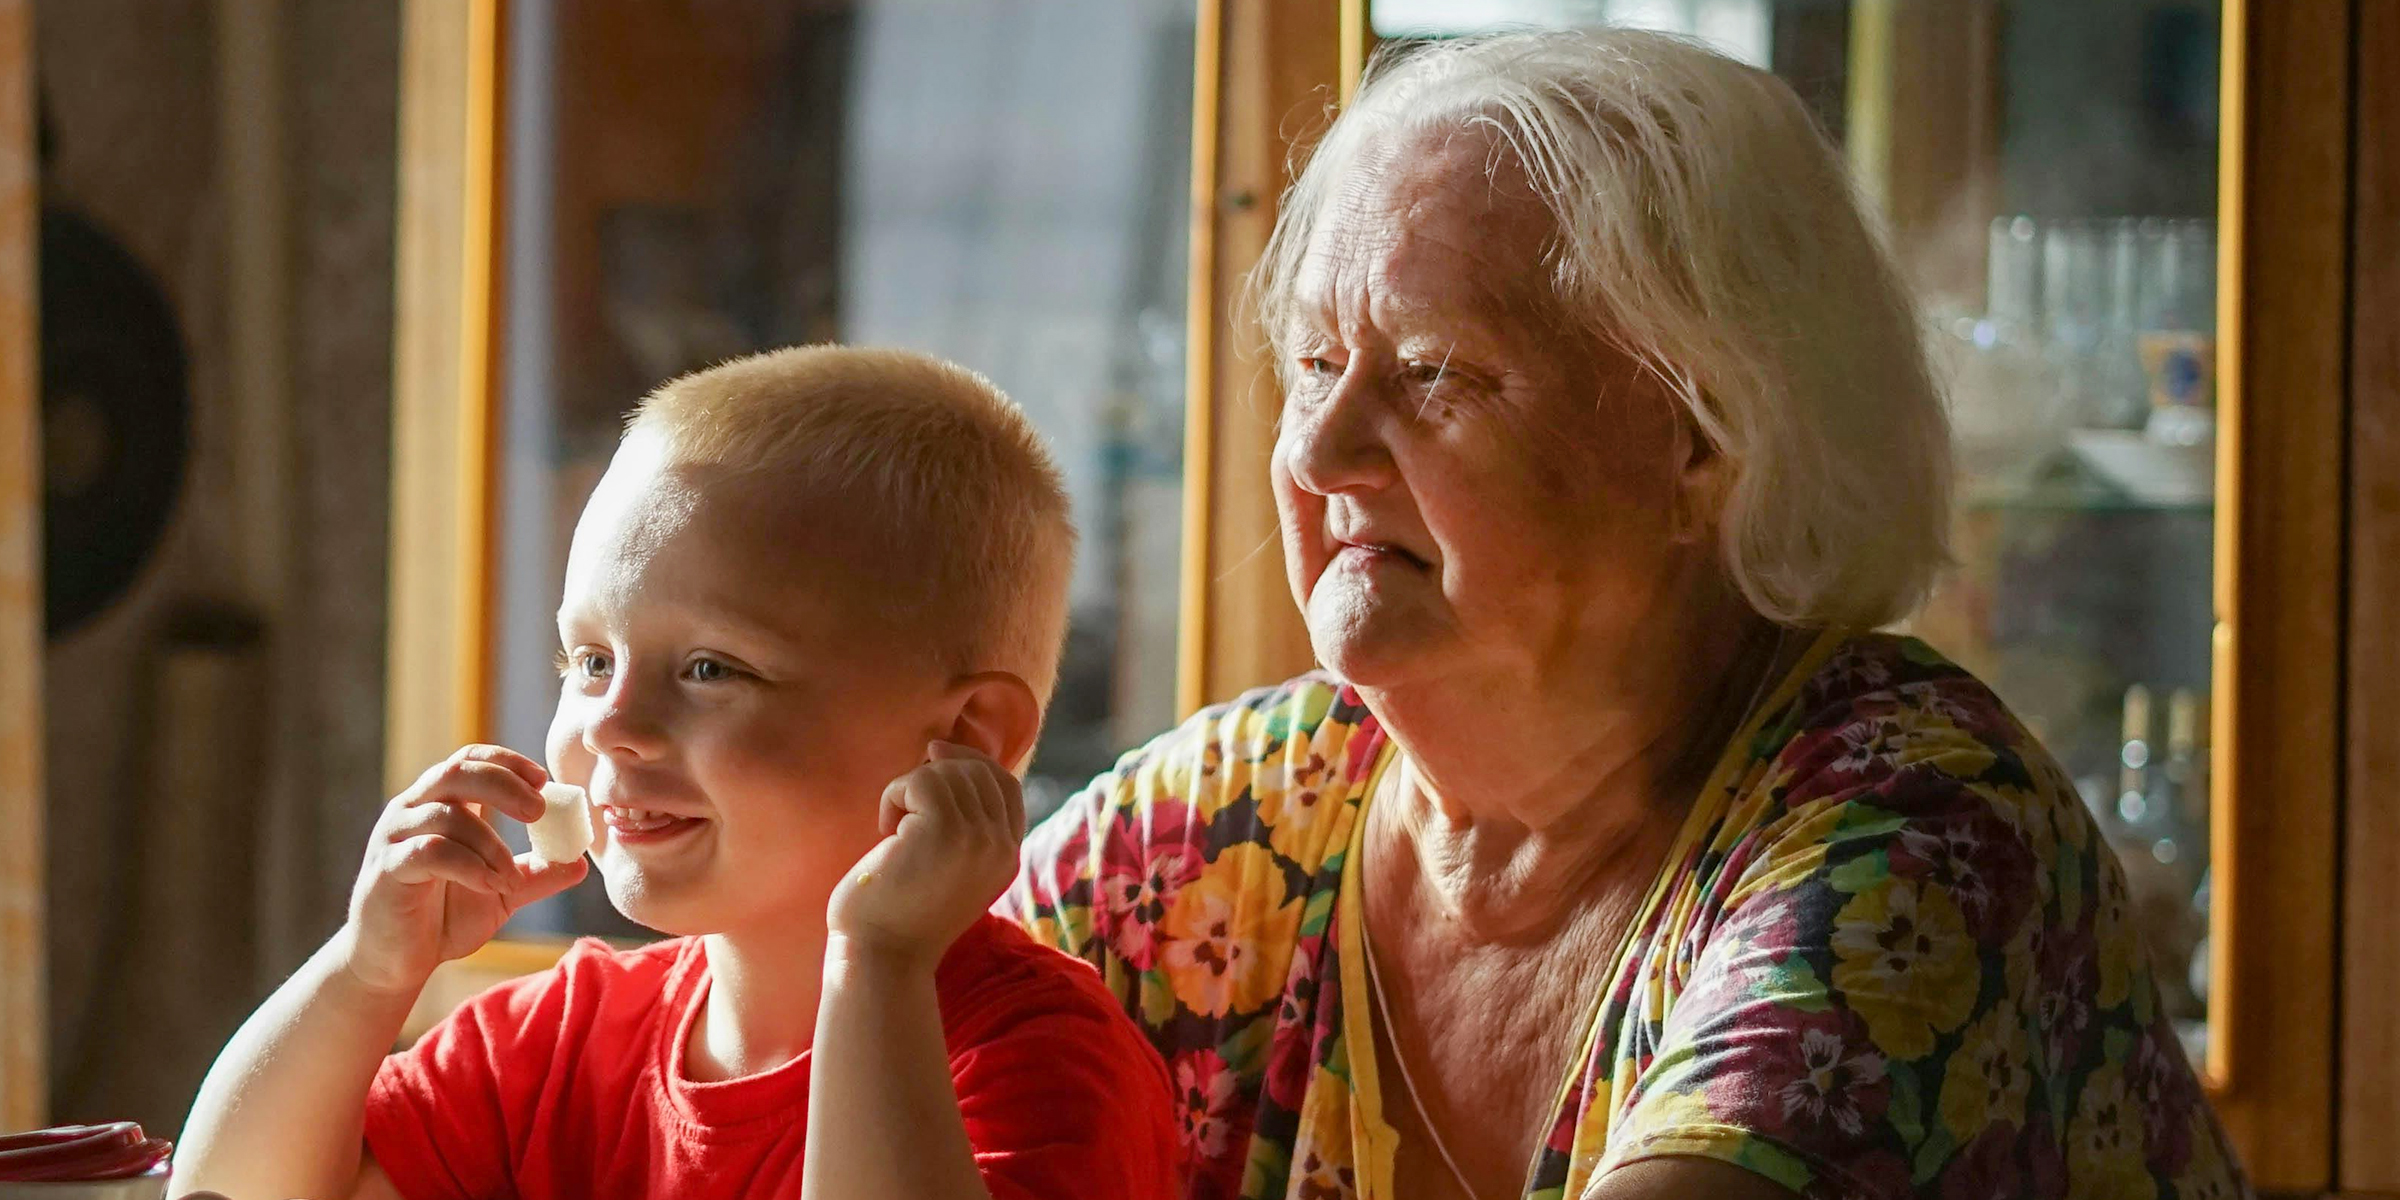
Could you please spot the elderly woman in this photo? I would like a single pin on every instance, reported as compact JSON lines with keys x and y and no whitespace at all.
{"x":1610,"y":855}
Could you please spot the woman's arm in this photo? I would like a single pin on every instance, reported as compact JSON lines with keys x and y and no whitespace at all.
{"x":1685,"y":1179}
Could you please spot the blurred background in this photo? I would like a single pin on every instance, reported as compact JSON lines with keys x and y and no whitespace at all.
{"x":341,"y":304}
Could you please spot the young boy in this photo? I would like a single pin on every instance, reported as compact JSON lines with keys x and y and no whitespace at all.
{"x":809,"y":579}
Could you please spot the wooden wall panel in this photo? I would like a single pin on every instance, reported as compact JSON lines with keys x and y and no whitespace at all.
{"x":1265,"y":82}
{"x":24,"y":1028}
{"x":2369,"y":1153}
{"x":441,"y":380}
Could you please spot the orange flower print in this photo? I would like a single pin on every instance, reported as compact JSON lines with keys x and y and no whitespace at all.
{"x":1904,"y":962}
{"x":2113,"y":929}
{"x":1321,"y":1167}
{"x":2104,"y":1142}
{"x":1229,"y":934}
{"x":1297,"y":795}
{"x":1987,"y":1080}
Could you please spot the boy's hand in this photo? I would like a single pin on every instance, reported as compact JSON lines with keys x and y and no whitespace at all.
{"x":951,"y":829}
{"x":438,"y":881}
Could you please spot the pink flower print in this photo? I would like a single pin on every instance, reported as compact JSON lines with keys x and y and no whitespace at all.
{"x":1866,"y":743}
{"x":1979,"y":861}
{"x":1146,"y":863}
{"x":1853,"y":670}
{"x":1299,"y":1020}
{"x":1836,"y":1084}
{"x":2165,"y":1093}
{"x":1215,"y":1136}
{"x":1204,"y":1091}
{"x":2062,"y":1009}
{"x":1946,"y":701}
{"x":1986,"y":1169}
{"x":1134,"y":899}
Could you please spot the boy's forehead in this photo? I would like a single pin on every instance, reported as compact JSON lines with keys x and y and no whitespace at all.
{"x":701,"y":537}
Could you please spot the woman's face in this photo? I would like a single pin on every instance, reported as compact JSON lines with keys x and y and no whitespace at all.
{"x":1468,"y":483}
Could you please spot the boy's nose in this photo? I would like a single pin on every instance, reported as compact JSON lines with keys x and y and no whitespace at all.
{"x":624,"y":726}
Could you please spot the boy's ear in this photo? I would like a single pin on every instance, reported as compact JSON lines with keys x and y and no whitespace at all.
{"x":997,"y":714}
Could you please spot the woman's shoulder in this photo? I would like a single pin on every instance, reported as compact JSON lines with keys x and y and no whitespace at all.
{"x":1265,"y":717}
{"x":1309,"y":730}
{"x":1891,"y":713}
{"x":1893,"y":761}
{"x":1907,"y":893}
{"x":1255,"y":790}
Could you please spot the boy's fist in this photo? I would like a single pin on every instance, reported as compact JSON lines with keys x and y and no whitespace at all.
{"x":949,"y":848}
{"x":438,"y":881}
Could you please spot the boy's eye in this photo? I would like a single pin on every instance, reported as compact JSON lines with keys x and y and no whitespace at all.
{"x":583,"y":664}
{"x":709,"y":670}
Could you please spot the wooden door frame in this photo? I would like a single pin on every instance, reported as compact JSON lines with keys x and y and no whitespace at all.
{"x":2283,"y":233}
{"x":2368,"y":1155}
{"x":24,"y":940}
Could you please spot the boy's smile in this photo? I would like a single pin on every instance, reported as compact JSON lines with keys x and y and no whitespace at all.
{"x":733,"y":711}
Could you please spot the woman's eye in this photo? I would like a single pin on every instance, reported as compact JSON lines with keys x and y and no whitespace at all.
{"x":1424,"y":372}
{"x":1310,"y":365}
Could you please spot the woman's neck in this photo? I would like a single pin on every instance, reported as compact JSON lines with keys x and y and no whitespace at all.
{"x":761,"y":1010}
{"x":1520,"y":791}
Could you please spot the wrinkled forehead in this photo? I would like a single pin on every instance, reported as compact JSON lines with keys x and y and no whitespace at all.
{"x":1441,"y":221}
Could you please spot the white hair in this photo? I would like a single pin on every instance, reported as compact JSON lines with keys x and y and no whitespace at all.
{"x":1708,"y":229}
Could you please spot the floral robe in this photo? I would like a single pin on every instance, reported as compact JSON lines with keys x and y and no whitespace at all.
{"x":1888,"y":956}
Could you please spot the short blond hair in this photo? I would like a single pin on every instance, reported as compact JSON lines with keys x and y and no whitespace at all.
{"x":961,"y":484}
{"x":1707,"y":228}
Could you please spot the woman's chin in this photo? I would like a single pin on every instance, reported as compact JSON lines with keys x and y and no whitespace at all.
{"x":1370,"y":649}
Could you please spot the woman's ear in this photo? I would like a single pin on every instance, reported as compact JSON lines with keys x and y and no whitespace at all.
{"x":997,"y":714}
{"x":1702,"y":478}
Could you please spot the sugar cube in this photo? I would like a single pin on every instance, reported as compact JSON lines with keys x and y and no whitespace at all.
{"x":565,"y":830}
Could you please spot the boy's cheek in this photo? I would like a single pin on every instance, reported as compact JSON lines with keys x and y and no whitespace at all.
{"x":563,"y":753}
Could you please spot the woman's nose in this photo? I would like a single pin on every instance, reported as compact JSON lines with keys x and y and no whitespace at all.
{"x":1333,"y":443}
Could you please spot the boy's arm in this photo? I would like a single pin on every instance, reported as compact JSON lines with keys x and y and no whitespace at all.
{"x":883,"y":1116}
{"x":283,"y":1111}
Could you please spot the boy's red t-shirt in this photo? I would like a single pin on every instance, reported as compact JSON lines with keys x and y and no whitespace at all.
{"x":570,"y":1083}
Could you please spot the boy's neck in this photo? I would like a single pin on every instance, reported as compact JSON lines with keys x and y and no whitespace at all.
{"x":761,"y":1010}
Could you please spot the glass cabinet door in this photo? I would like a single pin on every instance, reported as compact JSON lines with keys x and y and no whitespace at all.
{"x":2047,"y":173}
{"x":686,"y":181}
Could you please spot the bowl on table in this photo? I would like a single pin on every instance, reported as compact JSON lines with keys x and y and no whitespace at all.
{"x":83,"y":1162}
